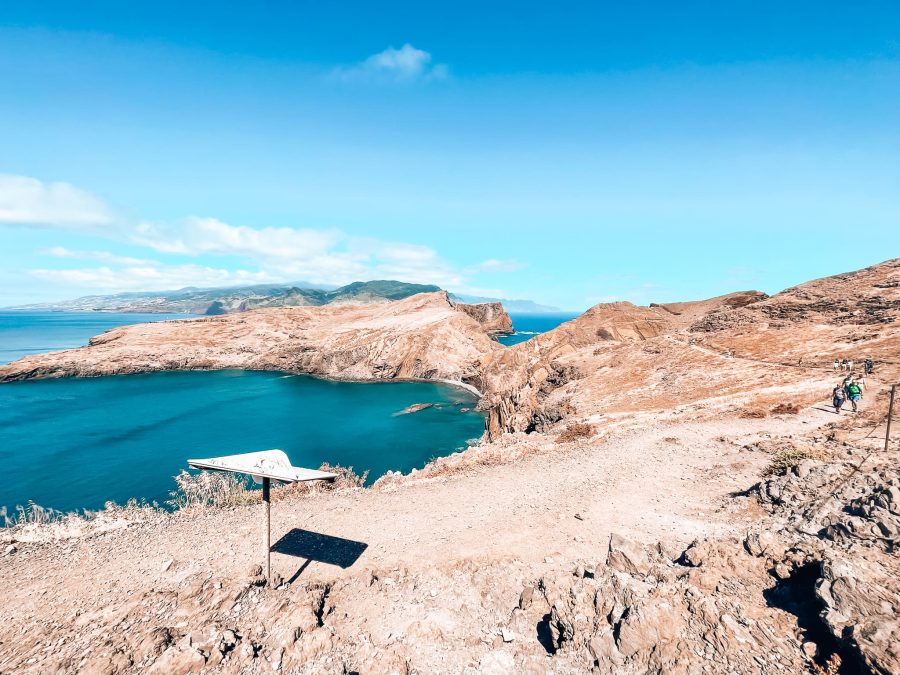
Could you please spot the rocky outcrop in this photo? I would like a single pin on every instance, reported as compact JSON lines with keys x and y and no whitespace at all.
{"x":422,"y":337}
{"x":491,"y":315}
{"x":618,"y":357}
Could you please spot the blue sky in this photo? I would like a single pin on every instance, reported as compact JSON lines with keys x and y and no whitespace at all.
{"x":571,"y":155}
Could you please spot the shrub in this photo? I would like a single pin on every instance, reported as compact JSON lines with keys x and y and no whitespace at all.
{"x":786,"y":409}
{"x":209,"y":488}
{"x":785,"y":460}
{"x":32,"y":513}
{"x":575,"y":431}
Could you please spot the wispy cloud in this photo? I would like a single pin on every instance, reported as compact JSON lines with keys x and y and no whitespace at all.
{"x":102,"y":256}
{"x":266,"y":254}
{"x":406,"y":64}
{"x":155,"y":277}
{"x":495,"y":265}
{"x":33,"y":203}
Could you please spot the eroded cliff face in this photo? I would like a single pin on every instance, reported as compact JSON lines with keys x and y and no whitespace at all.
{"x":422,"y":337}
{"x":491,"y":315}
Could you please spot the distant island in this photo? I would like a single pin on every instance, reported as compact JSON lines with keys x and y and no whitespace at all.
{"x":214,"y":301}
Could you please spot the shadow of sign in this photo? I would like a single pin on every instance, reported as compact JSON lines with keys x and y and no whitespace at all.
{"x":319,"y":548}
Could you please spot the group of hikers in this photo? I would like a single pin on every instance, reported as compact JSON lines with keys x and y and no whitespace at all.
{"x":844,"y":364}
{"x":850,"y":389}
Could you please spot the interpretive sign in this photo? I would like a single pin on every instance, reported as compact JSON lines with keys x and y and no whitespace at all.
{"x":263,"y":467}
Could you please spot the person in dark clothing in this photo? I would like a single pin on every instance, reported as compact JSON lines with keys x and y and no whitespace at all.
{"x":869,"y":366}
{"x":837,"y":398}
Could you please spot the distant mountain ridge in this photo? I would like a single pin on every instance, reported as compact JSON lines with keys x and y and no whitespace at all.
{"x":213,"y":301}
{"x":239,"y":299}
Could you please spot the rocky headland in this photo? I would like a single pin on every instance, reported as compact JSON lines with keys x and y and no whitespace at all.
{"x":659,"y":489}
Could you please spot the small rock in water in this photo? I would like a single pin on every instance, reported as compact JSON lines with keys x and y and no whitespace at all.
{"x":415,"y":407}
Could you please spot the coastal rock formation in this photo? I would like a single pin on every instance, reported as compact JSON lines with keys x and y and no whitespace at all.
{"x":491,"y":315}
{"x":422,"y":337}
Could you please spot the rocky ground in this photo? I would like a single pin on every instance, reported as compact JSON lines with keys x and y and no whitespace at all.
{"x":657,"y":493}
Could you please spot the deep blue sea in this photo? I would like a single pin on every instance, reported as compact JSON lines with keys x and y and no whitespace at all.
{"x":76,"y":443}
{"x":529,"y":325}
{"x":24,"y":333}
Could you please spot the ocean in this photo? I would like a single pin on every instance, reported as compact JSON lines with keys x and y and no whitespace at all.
{"x":529,"y":325}
{"x":25,"y":333}
{"x":76,"y":443}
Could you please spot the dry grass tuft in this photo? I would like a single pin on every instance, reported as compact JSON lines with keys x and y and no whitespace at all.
{"x":754,"y":413}
{"x":786,"y":409}
{"x":786,"y":459}
{"x":209,"y":488}
{"x":574,"y":432}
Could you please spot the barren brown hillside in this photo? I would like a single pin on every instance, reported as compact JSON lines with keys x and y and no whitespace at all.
{"x":661,"y":490}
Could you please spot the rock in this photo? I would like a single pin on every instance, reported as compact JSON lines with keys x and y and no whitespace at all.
{"x":255,"y":576}
{"x":526,"y":596}
{"x":11,"y":549}
{"x":175,"y":661}
{"x":697,"y":553}
{"x":166,"y":565}
{"x":507,"y":635}
{"x":228,"y":640}
{"x":415,"y":407}
{"x":811,"y":649}
{"x":782,"y":571}
{"x":763,"y":543}
{"x":627,"y":556}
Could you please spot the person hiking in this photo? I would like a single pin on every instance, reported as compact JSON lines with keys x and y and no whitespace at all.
{"x":850,"y":366}
{"x":843,"y":364}
{"x":869,"y":366}
{"x":837,"y":364}
{"x":837,"y":398}
{"x":854,"y":393}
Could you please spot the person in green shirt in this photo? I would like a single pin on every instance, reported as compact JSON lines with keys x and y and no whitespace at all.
{"x":854,"y":393}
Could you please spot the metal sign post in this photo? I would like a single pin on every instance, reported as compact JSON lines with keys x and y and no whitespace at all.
{"x":887,"y":432}
{"x":268,"y":505}
{"x":263,"y":467}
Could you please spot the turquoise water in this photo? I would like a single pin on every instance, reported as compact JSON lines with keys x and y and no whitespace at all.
{"x":76,"y":443}
{"x":24,"y":333}
{"x":529,"y":325}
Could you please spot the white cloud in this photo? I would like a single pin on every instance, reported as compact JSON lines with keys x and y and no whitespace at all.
{"x":495,"y":265}
{"x":155,"y":277}
{"x":406,"y":64}
{"x":196,"y":236}
{"x":267,"y":254}
{"x":33,"y":203}
{"x":102,"y":256}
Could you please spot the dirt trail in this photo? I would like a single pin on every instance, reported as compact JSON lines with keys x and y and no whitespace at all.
{"x":638,"y":483}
